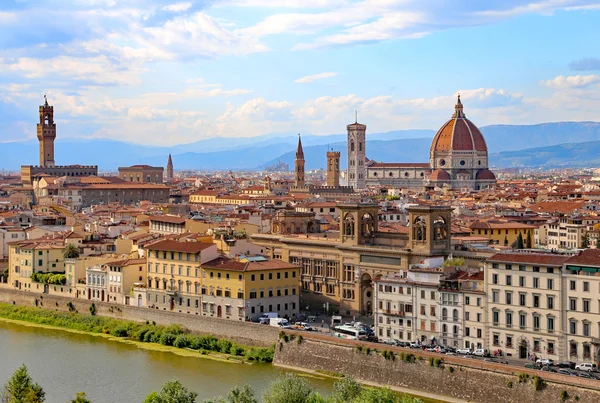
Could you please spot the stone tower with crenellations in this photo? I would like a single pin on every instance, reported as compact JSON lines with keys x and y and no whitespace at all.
{"x":46,"y":134}
{"x":333,"y":168}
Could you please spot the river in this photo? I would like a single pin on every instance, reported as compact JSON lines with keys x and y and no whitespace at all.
{"x":64,"y":363}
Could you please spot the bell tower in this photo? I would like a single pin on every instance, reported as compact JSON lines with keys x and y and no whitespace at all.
{"x":358,"y":223}
{"x":46,"y":133}
{"x":299,"y":164}
{"x":429,"y":231}
{"x":357,"y":149}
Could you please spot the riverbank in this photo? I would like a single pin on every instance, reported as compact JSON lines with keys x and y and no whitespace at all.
{"x":172,"y":338}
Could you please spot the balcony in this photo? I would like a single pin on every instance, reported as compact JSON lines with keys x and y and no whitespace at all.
{"x":394,"y":313}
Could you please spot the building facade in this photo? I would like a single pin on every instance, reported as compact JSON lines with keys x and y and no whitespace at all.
{"x":357,"y":148}
{"x":141,"y":174}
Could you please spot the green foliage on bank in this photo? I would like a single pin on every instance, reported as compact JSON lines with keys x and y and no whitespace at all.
{"x":49,"y":278}
{"x":172,"y":335}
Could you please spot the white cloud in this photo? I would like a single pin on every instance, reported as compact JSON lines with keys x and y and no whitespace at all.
{"x":578,"y":81}
{"x":258,"y":109}
{"x":315,"y":77}
{"x":177,"y":7}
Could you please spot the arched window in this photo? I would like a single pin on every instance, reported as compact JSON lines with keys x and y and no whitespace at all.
{"x":455,"y":314}
{"x":349,"y":225}
{"x":420,"y":229}
{"x":440,"y":231}
{"x":352,"y":146}
{"x":368,"y":225}
{"x":444,"y":314}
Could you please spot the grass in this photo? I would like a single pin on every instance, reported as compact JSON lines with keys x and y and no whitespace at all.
{"x":174,"y":338}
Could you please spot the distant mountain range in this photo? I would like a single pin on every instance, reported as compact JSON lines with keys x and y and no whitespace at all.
{"x":509,"y":145}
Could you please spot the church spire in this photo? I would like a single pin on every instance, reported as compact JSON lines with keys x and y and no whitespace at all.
{"x":170,"y":168}
{"x":299,"y":150}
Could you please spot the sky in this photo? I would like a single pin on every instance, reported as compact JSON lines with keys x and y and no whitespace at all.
{"x":161,"y":72}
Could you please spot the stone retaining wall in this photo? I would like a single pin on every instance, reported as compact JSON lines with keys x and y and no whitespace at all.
{"x":246,"y":333}
{"x":456,"y":377}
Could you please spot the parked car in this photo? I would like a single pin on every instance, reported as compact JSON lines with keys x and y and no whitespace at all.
{"x":531,"y":366}
{"x":585,"y":375}
{"x":566,"y":364}
{"x":565,"y":372}
{"x":414,"y":344}
{"x":586,"y":366}
{"x":548,"y":369}
{"x":403,"y":344}
{"x":265,"y":318}
{"x":481,"y":352}
{"x":390,"y":342}
{"x":544,"y":361}
{"x":464,"y":351}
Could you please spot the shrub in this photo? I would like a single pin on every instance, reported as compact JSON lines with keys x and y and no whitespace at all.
{"x":299,"y":341}
{"x":119,"y":332}
{"x":409,"y":358}
{"x":281,"y":334}
{"x":509,"y":384}
{"x":167,"y":339}
{"x":564,"y":395}
{"x":148,"y":336}
{"x":451,"y":369}
{"x":437,"y":362}
{"x":430,"y":361}
{"x":236,"y":350}
{"x":358,"y":349}
{"x":523,"y":378}
{"x":181,"y":341}
{"x":224,"y":345}
{"x":93,"y":309}
{"x":538,"y":383}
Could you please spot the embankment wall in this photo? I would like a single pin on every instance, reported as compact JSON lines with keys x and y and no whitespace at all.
{"x":456,"y":377}
{"x":246,"y":333}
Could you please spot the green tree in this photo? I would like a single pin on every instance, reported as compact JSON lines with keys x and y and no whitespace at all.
{"x":172,"y":392}
{"x":377,"y":395}
{"x":71,"y":252}
{"x":290,"y":388}
{"x":80,"y":398}
{"x":21,"y":389}
{"x":454,"y":262}
{"x":598,"y":243}
{"x":528,"y":240}
{"x":519,"y":243}
{"x":236,"y":395}
{"x":346,"y":390}
{"x":585,"y":243}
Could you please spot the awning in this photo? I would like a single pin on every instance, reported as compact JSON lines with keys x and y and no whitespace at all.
{"x":590,"y":269}
{"x":573,"y":268}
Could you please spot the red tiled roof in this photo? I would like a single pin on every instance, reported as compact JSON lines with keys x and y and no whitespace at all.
{"x":547,"y":259}
{"x":586,"y":257}
{"x":169,"y":245}
{"x":167,"y":219}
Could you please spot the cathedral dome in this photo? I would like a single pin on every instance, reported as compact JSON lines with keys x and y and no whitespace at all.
{"x":485,"y":175}
{"x":458,"y":134}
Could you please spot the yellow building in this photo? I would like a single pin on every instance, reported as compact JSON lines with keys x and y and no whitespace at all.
{"x":174,"y":274}
{"x":504,"y":233}
{"x":34,"y":256}
{"x":244,"y":289}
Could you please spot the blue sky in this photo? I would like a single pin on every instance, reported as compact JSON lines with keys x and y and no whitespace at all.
{"x":159,"y":72}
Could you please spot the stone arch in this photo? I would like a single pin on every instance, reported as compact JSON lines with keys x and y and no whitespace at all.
{"x":348,"y":225}
{"x":440,"y":229}
{"x":367,"y":225}
{"x":420,"y":229}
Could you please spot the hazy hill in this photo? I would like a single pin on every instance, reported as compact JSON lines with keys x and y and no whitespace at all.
{"x":567,"y":155}
{"x":256,"y":152}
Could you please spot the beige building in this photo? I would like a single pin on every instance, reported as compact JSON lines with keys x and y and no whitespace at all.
{"x":141,"y":174}
{"x":525,"y":307}
{"x":34,"y":256}
{"x":174,"y":277}
{"x":474,"y":310}
{"x":566,"y":233}
{"x":339,"y":268}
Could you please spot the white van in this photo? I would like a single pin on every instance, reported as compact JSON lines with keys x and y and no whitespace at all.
{"x":280,"y":322}
{"x":586,"y":366}
{"x":264,"y":318}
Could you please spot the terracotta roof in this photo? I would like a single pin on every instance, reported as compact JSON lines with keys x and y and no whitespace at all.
{"x":223,"y":263}
{"x":167,"y":219}
{"x":169,"y":245}
{"x":547,"y":259}
{"x":587,"y":256}
{"x":439,"y":175}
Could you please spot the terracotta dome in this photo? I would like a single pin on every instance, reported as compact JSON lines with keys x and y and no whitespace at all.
{"x":458,"y":134}
{"x":439,"y":175}
{"x":485,"y":175}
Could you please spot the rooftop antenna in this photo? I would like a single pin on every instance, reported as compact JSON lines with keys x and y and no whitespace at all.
{"x":356,"y":116}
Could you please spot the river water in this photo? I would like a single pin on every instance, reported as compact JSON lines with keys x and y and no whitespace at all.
{"x":64,"y":363}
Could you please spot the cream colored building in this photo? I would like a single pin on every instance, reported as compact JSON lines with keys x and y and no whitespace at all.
{"x":581,"y":299}
{"x":474,"y":310}
{"x":524,"y":308}
{"x":566,"y":233}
